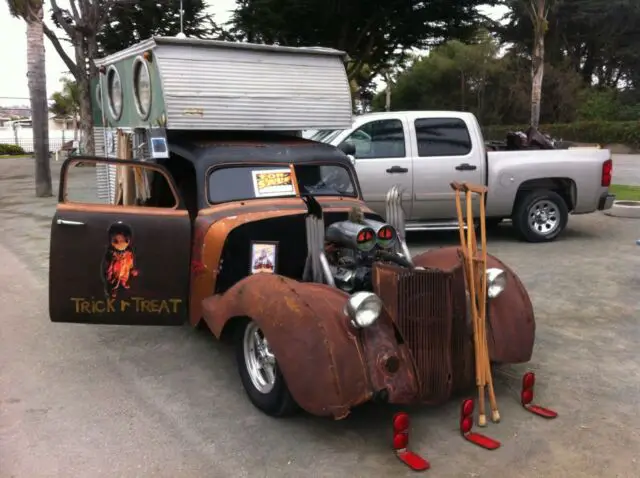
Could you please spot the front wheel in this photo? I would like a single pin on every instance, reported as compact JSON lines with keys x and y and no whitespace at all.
{"x":260,"y":374}
{"x":540,"y":216}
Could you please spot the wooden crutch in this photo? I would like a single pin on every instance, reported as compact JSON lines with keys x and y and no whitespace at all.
{"x":482,"y":297}
{"x":468,"y":255}
{"x":475,"y":271}
{"x":474,"y":292}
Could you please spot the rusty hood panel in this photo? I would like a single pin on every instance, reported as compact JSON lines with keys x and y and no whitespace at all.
{"x":329,"y":366}
{"x":320,"y":360}
{"x":511,"y":330}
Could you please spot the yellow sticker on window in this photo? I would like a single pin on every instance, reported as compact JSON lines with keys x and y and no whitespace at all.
{"x":273,"y":182}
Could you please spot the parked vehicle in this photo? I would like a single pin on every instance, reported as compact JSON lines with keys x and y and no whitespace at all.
{"x":424,"y":151}
{"x":265,"y":238}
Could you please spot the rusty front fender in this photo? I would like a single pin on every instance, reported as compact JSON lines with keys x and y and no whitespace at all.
{"x":511,"y":331}
{"x":320,"y":357}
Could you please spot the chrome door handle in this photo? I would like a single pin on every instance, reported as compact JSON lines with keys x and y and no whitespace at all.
{"x":64,"y":222}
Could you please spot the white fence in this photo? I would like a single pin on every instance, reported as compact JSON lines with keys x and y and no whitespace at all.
{"x":24,"y":138}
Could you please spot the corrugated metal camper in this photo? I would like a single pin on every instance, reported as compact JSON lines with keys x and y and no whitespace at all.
{"x":183,"y":84}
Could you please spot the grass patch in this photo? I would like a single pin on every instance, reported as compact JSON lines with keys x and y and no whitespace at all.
{"x":625,"y":193}
{"x":14,"y":156}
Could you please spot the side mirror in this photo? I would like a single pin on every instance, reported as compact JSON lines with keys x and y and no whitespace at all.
{"x":348,"y":148}
{"x":352,"y":158}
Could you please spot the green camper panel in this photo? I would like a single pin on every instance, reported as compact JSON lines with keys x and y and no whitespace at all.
{"x":130,"y":118}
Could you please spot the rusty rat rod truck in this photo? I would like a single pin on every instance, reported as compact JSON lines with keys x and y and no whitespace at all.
{"x":211,"y":209}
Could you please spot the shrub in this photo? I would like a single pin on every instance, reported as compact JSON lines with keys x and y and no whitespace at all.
{"x":601,"y":132}
{"x":11,"y":149}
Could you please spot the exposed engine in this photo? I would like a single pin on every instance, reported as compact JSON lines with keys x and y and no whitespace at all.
{"x":353,"y":246}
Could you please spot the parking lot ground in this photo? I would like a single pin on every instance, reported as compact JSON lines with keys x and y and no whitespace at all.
{"x":104,"y":401}
{"x":626,"y":169}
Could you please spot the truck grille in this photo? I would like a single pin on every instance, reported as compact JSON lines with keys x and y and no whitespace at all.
{"x":429,"y":309}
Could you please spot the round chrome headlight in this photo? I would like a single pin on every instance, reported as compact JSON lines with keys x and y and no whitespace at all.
{"x":496,"y":282}
{"x":363,"y":308}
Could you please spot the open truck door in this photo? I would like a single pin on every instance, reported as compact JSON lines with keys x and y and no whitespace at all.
{"x":122,"y":260}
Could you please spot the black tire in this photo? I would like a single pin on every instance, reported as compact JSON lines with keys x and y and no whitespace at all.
{"x":525,"y":209}
{"x":278,"y":401}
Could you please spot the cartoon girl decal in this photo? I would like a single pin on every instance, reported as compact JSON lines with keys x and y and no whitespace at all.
{"x":119,"y":262}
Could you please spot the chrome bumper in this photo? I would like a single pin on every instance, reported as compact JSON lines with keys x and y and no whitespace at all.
{"x":606,"y":201}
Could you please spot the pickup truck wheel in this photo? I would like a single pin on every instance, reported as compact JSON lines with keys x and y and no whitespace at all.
{"x":540,"y":216}
{"x":260,"y":374}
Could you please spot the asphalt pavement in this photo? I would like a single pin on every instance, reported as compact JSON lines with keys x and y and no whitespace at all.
{"x":626,"y":169}
{"x":106,"y":401}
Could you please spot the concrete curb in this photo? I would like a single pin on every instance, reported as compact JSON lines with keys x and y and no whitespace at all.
{"x":629,"y":209}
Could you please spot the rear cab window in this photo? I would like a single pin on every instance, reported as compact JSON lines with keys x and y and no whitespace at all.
{"x":238,"y":183}
{"x":442,"y":137}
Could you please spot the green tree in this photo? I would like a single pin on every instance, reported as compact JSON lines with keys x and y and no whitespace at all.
{"x":599,"y":37}
{"x":474,"y":77}
{"x":453,"y":75}
{"x":32,"y":12}
{"x":130,"y":23}
{"x":374,"y":35}
{"x":66,"y":103}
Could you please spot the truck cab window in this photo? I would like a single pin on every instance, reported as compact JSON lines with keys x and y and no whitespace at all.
{"x":379,"y":139}
{"x":140,"y":185}
{"x":442,"y":137}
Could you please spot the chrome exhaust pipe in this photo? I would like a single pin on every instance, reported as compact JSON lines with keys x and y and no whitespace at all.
{"x":316,"y":267}
{"x":307,"y":275}
{"x":396,"y":218}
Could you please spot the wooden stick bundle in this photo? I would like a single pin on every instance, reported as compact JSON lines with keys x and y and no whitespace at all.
{"x":475,"y":267}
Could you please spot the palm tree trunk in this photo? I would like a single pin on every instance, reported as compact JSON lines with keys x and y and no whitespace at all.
{"x":39,"y":110}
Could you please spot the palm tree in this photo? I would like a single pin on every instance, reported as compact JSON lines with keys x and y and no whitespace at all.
{"x":66,"y":103}
{"x":32,"y":12}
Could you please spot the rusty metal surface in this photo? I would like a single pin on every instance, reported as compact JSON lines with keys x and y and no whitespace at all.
{"x":511,"y":328}
{"x":383,"y":354}
{"x":462,"y":353}
{"x":421,"y":303}
{"x":327,"y":369}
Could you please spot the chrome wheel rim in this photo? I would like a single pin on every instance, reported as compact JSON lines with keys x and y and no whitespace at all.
{"x":259,"y":360}
{"x":543,"y":217}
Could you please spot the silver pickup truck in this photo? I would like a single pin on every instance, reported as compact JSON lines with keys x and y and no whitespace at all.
{"x":424,"y":151}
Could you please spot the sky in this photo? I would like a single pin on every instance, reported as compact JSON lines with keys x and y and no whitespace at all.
{"x":13,"y":42}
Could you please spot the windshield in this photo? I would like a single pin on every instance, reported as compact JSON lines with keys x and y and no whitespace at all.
{"x":326,"y":135}
{"x":237,"y":183}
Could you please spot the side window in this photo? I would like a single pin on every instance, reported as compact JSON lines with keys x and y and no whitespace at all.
{"x":442,"y":137}
{"x":379,"y":139}
{"x":90,"y":181}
